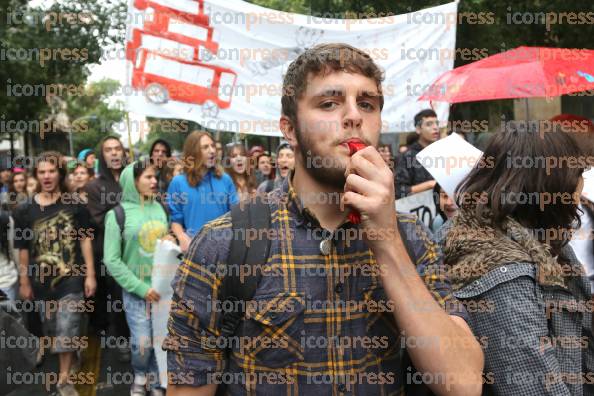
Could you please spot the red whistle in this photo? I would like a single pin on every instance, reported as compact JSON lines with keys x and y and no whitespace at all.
{"x":354,"y":146}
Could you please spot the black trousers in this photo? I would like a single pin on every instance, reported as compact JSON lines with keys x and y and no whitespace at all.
{"x":108,"y":315}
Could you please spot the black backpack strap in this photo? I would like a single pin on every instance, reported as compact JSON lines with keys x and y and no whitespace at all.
{"x":120,"y":217}
{"x":412,"y":389}
{"x":247,"y":221}
{"x":161,"y":199}
{"x":165,"y":209}
{"x":405,"y":241}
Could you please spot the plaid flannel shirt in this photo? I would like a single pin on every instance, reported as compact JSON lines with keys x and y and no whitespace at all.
{"x":538,"y":340}
{"x":318,"y":324}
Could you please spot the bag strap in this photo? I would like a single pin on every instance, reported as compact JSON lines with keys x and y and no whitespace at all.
{"x":161,"y":201}
{"x":405,"y":360}
{"x":120,"y":217}
{"x":165,"y":209}
{"x":250,"y":246}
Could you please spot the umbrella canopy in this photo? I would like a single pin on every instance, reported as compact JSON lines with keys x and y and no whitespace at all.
{"x":523,"y":72}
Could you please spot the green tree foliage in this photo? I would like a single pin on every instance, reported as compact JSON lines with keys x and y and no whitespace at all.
{"x":49,"y":48}
{"x":93,"y":115}
{"x":173,"y":131}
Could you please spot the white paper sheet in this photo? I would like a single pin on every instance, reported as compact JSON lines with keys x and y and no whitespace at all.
{"x":165,"y":263}
{"x":449,"y":161}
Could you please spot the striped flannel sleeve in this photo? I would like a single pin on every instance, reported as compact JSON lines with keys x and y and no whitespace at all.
{"x":193,"y":354}
{"x":428,"y":259}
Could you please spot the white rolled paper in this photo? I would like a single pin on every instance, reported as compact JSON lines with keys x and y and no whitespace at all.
{"x":449,"y":161}
{"x":165,"y":263}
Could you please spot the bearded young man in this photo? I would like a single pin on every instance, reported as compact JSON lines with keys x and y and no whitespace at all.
{"x":319,"y":325}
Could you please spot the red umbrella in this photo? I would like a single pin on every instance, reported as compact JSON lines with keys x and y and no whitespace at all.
{"x":523,"y":72}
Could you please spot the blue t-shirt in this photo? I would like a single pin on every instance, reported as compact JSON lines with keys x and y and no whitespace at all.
{"x":192,"y":207}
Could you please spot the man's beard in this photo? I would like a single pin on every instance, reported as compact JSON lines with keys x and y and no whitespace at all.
{"x":316,"y":166}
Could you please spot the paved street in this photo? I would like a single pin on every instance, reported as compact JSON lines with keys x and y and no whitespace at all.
{"x":100,"y":369}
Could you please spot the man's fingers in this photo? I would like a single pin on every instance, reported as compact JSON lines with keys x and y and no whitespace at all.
{"x":358,"y":184}
{"x":354,"y":200}
{"x":363,"y":167}
{"x":372,"y":155}
{"x":369,"y":164}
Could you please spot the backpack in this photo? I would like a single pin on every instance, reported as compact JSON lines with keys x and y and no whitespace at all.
{"x":247,"y":216}
{"x":256,"y":216}
{"x":243,"y":216}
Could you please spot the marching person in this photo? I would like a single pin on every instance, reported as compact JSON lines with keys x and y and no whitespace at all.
{"x":129,"y":259}
{"x":285,"y":163}
{"x":56,"y":264}
{"x":102,"y":194}
{"x":17,"y":188}
{"x":509,"y":256}
{"x":236,"y":166}
{"x":263,"y":167}
{"x":160,"y":153}
{"x":8,"y":270}
{"x":202,"y":192}
{"x":410,"y":176}
{"x":301,"y":328}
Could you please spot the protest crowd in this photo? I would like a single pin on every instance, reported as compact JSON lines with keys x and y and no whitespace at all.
{"x":492,"y":297}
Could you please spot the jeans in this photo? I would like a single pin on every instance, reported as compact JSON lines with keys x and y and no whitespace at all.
{"x":62,"y":321}
{"x":139,"y":321}
{"x":11,"y":292}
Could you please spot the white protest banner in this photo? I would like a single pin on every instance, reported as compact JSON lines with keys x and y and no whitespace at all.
{"x":221,"y":64}
{"x":165,"y":263}
{"x":449,"y":161}
{"x":421,"y":204}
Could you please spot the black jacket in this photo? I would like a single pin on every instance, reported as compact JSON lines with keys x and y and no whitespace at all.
{"x":163,"y":174}
{"x":103,"y":193}
{"x":409,"y":172}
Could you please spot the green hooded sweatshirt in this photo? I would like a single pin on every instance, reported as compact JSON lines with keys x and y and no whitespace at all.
{"x":145,"y":223}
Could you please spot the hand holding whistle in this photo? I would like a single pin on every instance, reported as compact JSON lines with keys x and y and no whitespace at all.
{"x":354,"y":146}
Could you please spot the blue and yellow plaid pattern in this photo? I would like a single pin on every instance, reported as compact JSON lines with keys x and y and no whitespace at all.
{"x":318,"y":324}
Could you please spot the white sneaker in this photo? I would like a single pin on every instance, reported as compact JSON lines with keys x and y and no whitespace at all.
{"x":138,"y":390}
{"x":157,"y":392}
